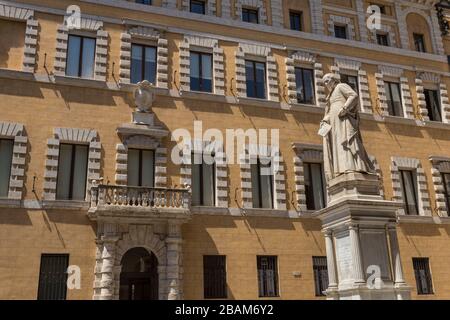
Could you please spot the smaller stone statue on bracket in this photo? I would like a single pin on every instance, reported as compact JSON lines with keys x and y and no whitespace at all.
{"x":144,"y":98}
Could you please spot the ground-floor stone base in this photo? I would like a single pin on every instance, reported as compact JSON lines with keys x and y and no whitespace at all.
{"x":26,"y":234}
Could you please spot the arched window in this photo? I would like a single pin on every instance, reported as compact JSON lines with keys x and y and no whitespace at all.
{"x":419,"y":33}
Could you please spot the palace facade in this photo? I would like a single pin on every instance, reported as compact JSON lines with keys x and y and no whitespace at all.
{"x":90,"y":191}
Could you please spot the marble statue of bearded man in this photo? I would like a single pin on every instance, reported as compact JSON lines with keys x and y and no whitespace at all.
{"x":344,"y":151}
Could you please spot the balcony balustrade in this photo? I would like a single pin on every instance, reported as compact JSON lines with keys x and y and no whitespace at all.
{"x":130,"y":201}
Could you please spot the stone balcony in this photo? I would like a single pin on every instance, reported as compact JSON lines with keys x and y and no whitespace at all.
{"x":138,"y":204}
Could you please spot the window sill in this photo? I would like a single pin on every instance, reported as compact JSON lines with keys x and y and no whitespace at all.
{"x":402,"y":218}
{"x":17,"y":74}
{"x":9,"y":203}
{"x":398,"y":120}
{"x":82,"y":82}
{"x":433,"y":124}
{"x":204,"y":210}
{"x":65,"y":204}
{"x":197,"y":94}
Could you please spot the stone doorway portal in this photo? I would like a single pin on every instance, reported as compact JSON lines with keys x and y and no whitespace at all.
{"x":139,"y":275}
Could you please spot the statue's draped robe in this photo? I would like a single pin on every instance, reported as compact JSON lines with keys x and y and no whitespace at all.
{"x":343,"y":147}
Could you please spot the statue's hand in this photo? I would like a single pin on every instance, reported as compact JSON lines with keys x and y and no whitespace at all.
{"x":326,"y":119}
{"x":343,"y":113}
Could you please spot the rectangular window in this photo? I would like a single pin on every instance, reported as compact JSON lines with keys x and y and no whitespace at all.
{"x":256,"y":79}
{"x":382,"y":39}
{"x":394,"y":99}
{"x":250,"y":15}
{"x":446,"y":182}
{"x":80,"y":57}
{"x":433,"y":104}
{"x":419,"y":42}
{"x":201,"y":71}
{"x":409,"y":191}
{"x":72,"y":172}
{"x":53,"y":277}
{"x":352,"y":81}
{"x":314,"y":186}
{"x":149,"y":2}
{"x":423,"y":275}
{"x":6,"y":154}
{"x":320,"y":275}
{"x":203,"y":181}
{"x":296,"y":20}
{"x":382,"y":7}
{"x":262,"y":185}
{"x":141,"y":168}
{"x":143,"y":63}
{"x":267,"y":276}
{"x":214,"y":277}
{"x":304,"y":81}
{"x":340,"y":32}
{"x":198,"y":6}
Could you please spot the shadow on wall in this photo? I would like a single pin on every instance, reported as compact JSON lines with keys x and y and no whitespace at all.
{"x":21,"y":88}
{"x":198,"y":242}
{"x":13,"y":39}
{"x":92,"y":96}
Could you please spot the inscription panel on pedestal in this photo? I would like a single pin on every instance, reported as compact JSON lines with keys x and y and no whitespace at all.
{"x":344,"y":257}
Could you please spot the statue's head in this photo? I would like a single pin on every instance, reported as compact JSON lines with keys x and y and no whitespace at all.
{"x":330,"y":81}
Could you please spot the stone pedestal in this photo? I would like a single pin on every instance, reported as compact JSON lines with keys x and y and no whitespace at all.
{"x":143,"y":118}
{"x":361,"y":241}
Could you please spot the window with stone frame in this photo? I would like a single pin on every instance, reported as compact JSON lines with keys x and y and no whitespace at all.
{"x":446,"y":183}
{"x":53,"y":277}
{"x":419,"y":42}
{"x":304,"y":80}
{"x":143,"y":63}
{"x":262,"y":183}
{"x":393,"y":99}
{"x":198,"y":6}
{"x":72,"y":171}
{"x":340,"y":31}
{"x":141,"y":167}
{"x":214,"y":277}
{"x":80,"y":56}
{"x":81,"y":52}
{"x":20,"y":30}
{"x":203,"y":179}
{"x":201,"y":73}
{"x":320,"y":270}
{"x":255,"y":72}
{"x":408,"y":180}
{"x":147,"y":2}
{"x":382,"y":39}
{"x":267,"y":276}
{"x":296,"y":20}
{"x":143,"y":56}
{"x":351,"y":80}
{"x":422,"y":274}
{"x":6,"y":156}
{"x":250,"y":15}
{"x":433,"y":104}
{"x":201,"y":65}
{"x":315,"y":186}
{"x":410,"y":187}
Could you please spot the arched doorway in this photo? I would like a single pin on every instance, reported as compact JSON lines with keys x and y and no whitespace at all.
{"x":139,"y":275}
